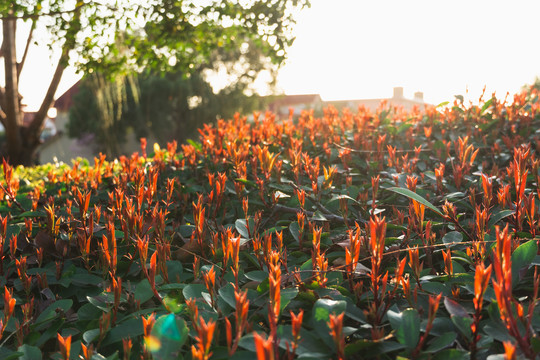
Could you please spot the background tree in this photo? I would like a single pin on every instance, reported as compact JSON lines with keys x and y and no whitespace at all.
{"x":168,"y":106}
{"x":109,"y":37}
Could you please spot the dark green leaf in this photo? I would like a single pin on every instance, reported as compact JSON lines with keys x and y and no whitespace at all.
{"x":495,"y":218}
{"x":130,"y":328}
{"x":414,"y":196}
{"x":286,"y":296}
{"x":227,"y":294}
{"x":143,"y":291}
{"x":86,"y":279}
{"x":257,"y":275}
{"x":53,"y":310}
{"x":194,"y":291}
{"x":443,"y":341}
{"x":90,"y":335}
{"x":29,"y":352}
{"x":451,"y":238}
{"x":452,"y":354}
{"x":463,"y":324}
{"x":321,"y":316}
{"x":186,"y":230}
{"x":407,"y":326}
{"x":522,"y":257}
{"x":294,"y":229}
{"x":318,"y":216}
{"x":454,"y":308}
{"x":7,"y":354}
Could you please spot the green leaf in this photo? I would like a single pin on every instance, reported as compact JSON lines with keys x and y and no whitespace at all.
{"x":86,"y":279}
{"x":29,"y":352}
{"x":195,"y":144}
{"x":522,"y":257}
{"x":52,"y":311}
{"x":309,"y":345}
{"x":444,"y":103}
{"x":7,"y":354}
{"x":174,"y":269}
{"x":336,"y":197}
{"x":496,"y":330}
{"x":407,"y":326}
{"x":535,"y":342}
{"x":441,"y":342}
{"x":175,"y":304}
{"x":414,"y":196}
{"x":50,"y":331}
{"x":318,"y":216}
{"x":463,"y":324}
{"x":241,"y":227}
{"x":90,"y":335}
{"x":487,"y":104}
{"x":287,"y":295}
{"x":495,"y":218}
{"x":257,"y":275}
{"x":89,"y":312}
{"x":30,"y":214}
{"x":130,"y":328}
{"x":186,"y":230}
{"x":294,"y":229}
{"x":454,"y":308}
{"x":194,"y":291}
{"x":101,"y":301}
{"x":452,"y":238}
{"x":452,"y":354}
{"x":404,"y":127}
{"x":360,"y":346}
{"x":227,"y":294}
{"x":436,"y":288}
{"x":143,"y":291}
{"x":321,"y":315}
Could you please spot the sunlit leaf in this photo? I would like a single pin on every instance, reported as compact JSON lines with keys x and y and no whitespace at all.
{"x":414,"y":196}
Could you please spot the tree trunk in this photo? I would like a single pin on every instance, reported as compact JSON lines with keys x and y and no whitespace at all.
{"x":22,"y":140}
{"x":11,"y":101}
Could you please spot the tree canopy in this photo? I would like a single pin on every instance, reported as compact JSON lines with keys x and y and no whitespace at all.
{"x":114,"y":37}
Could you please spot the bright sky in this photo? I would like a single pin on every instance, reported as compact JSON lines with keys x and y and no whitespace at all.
{"x":361,"y":49}
{"x":353,"y":49}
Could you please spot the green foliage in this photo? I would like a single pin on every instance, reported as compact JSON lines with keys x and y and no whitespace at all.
{"x":150,"y":33}
{"x":311,"y":238}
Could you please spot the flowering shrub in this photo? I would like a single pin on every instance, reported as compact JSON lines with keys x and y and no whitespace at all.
{"x":353,"y":235}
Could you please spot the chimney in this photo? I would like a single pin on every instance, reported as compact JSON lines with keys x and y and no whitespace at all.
{"x":398,"y":92}
{"x":419,"y":96}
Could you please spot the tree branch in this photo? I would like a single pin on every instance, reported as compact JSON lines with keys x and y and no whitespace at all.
{"x":39,"y":118}
{"x":26,"y":48}
{"x":34,"y":129}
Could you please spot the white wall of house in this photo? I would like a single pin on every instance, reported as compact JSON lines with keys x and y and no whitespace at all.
{"x":63,"y":148}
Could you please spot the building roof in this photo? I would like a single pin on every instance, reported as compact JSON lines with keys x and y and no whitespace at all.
{"x":309,"y":99}
{"x":64,"y":102}
{"x":297,"y":99}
